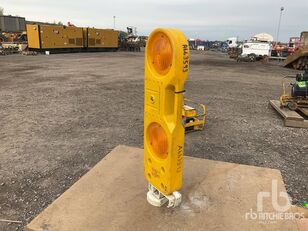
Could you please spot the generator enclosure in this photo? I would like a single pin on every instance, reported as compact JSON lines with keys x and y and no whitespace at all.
{"x":12,"y":24}
{"x":53,"y":37}
{"x":102,"y":38}
{"x":56,"y":37}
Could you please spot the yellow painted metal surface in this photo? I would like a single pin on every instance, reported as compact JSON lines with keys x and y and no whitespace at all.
{"x":53,"y":36}
{"x":61,"y":37}
{"x":85,"y":36}
{"x":166,"y":69}
{"x":189,"y":111}
{"x":194,"y":115}
{"x":33,"y":36}
{"x":102,"y":38}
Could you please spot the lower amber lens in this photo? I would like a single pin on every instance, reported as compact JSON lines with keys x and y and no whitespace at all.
{"x":161,"y":53}
{"x":158,"y":140}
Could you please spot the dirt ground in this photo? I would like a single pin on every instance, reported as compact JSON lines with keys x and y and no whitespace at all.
{"x":61,"y":114}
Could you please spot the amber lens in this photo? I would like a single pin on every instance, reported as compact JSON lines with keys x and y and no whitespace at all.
{"x":158,"y":140}
{"x":161,"y":53}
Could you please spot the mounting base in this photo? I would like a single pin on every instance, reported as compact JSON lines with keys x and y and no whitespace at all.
{"x":158,"y":199}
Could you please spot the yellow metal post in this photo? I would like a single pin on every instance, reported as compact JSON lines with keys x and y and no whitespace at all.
{"x":166,"y":69}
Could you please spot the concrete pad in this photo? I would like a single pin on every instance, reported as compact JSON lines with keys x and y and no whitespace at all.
{"x":302,"y":224}
{"x":112,"y":196}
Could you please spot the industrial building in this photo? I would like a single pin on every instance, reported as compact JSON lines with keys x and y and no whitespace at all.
{"x":12,"y":24}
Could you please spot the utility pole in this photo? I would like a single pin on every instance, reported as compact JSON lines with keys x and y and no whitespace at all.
{"x":277,"y":36}
{"x":114,"y":18}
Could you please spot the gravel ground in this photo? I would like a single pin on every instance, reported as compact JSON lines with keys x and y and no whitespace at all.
{"x":61,"y":114}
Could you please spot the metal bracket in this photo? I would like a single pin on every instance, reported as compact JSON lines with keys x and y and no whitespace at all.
{"x":158,"y":199}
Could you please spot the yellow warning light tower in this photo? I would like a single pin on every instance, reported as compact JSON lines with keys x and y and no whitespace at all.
{"x":166,"y":69}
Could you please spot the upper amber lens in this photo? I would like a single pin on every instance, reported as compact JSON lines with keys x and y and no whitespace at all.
{"x":161,"y":53}
{"x":158,"y":140}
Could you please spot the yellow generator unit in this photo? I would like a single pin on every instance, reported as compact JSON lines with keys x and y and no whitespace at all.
{"x":102,"y":38}
{"x":54,"y":37}
{"x":194,"y":115}
{"x":166,"y":69}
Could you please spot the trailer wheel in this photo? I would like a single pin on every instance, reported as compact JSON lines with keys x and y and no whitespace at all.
{"x":252,"y":57}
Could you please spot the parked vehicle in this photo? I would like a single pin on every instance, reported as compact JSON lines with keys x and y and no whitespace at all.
{"x":234,"y":48}
{"x":280,"y":50}
{"x":232,"y":42}
{"x":294,"y":43}
{"x":255,"y":50}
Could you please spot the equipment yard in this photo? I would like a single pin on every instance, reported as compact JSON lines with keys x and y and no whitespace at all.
{"x":61,"y":114}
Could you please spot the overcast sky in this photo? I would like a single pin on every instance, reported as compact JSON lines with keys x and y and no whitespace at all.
{"x":207,"y":19}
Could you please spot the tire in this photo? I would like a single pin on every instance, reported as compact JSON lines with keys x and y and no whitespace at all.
{"x":252,"y":57}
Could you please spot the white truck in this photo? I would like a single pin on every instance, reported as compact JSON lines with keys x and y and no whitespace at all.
{"x":255,"y":50}
{"x":232,"y":42}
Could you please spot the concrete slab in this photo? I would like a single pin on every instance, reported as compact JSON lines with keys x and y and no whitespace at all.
{"x":302,"y":224}
{"x":112,"y":196}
